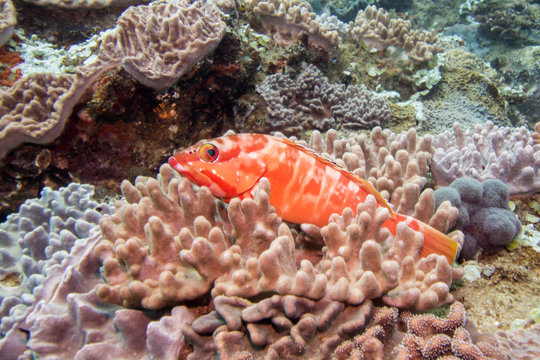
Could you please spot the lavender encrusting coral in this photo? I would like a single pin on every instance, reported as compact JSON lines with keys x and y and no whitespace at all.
{"x":36,"y":247}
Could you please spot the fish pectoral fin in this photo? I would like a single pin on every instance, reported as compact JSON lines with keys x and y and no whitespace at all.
{"x":249,"y":173}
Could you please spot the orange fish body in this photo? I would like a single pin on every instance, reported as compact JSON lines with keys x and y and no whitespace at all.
{"x":304,"y":187}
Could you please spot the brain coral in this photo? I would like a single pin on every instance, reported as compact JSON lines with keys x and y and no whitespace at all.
{"x":309,"y":101}
{"x":484,"y":216}
{"x":159,"y":42}
{"x":34,"y":110}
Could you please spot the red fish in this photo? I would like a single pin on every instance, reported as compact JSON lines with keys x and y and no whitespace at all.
{"x":304,"y":187}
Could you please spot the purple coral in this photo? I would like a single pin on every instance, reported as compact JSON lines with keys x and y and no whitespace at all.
{"x":309,"y":101}
{"x":489,"y":152}
{"x":484,"y":216}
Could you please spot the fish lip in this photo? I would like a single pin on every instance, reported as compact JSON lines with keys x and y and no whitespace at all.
{"x":176,"y":165}
{"x":189,"y":172}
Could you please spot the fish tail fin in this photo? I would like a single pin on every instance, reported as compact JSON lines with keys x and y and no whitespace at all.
{"x":435,"y":242}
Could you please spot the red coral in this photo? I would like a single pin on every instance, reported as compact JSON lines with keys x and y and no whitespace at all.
{"x":8,"y":61}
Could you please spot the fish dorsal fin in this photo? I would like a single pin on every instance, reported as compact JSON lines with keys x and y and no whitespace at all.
{"x":363,"y":183}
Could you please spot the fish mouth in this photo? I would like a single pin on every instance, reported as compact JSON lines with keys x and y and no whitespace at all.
{"x":189,"y":172}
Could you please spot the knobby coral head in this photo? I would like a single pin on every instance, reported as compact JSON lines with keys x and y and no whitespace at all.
{"x":170,"y":242}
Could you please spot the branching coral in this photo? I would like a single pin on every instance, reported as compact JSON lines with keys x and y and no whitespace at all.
{"x":310,"y":101}
{"x":489,"y":152}
{"x":167,"y":245}
{"x":163,"y":246}
{"x":391,"y":162}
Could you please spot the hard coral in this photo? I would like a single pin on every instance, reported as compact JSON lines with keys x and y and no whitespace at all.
{"x":390,"y":162}
{"x":310,"y":101}
{"x":62,"y":317}
{"x":159,"y":42}
{"x":163,"y":246}
{"x":290,"y":327}
{"x":288,"y":20}
{"x":428,"y":337}
{"x":484,"y":216}
{"x":397,"y":166}
{"x":7,"y":21}
{"x":35,"y":109}
{"x":489,"y":152}
{"x":375,"y":28}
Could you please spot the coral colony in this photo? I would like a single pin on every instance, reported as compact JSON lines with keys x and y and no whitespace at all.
{"x":162,"y":269}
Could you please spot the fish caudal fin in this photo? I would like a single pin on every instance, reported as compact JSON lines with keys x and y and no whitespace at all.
{"x":435,"y":242}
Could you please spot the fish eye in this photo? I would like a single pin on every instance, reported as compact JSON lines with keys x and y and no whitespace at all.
{"x":208,"y":153}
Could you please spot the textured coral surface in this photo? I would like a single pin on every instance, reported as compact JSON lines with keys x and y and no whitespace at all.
{"x":165,"y":245}
{"x":136,"y":266}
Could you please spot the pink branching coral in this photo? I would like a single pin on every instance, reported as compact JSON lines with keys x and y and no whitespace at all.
{"x":164,"y":244}
{"x":170,"y":244}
